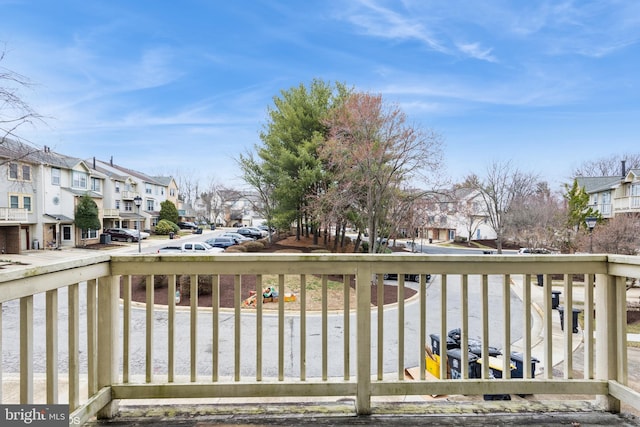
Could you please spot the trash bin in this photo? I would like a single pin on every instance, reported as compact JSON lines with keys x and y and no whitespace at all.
{"x":435,"y":343}
{"x":555,"y":299}
{"x":171,"y":234}
{"x":495,"y":396}
{"x":495,"y":371}
{"x":540,"y":279}
{"x":518,"y":360}
{"x":430,"y":240}
{"x":454,"y":362}
{"x":197,"y":231}
{"x":35,"y":244}
{"x":105,"y":238}
{"x":575,"y":313}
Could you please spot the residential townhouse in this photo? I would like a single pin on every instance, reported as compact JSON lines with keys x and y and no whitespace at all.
{"x":39,"y":191}
{"x":123,"y":186}
{"x":614,"y":195}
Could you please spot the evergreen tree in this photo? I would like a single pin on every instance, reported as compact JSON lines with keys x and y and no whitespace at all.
{"x":169,"y":212}
{"x":86,"y":215}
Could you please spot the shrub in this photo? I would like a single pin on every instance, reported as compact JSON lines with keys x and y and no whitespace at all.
{"x":236,"y":248}
{"x":321,"y":251}
{"x":204,"y":285}
{"x":254,"y":246}
{"x":165,"y":227}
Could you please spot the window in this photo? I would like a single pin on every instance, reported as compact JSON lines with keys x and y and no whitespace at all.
{"x":117,"y":187}
{"x":55,"y":176}
{"x":148,"y":188}
{"x":19,"y":201}
{"x":150,"y":205}
{"x":79,"y":180}
{"x":26,"y":173}
{"x":128,"y":207}
{"x":89,"y":234}
{"x":95,"y":184}
{"x":13,"y":171}
{"x":66,"y":232}
{"x":118,"y":204}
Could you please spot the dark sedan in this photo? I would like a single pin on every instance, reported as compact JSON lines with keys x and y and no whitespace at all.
{"x":221,"y":242}
{"x":249,"y":232}
{"x":123,"y":234}
{"x":407,"y":277}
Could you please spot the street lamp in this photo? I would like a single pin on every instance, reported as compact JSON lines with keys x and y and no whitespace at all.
{"x":591,"y":223}
{"x":138,"y":201}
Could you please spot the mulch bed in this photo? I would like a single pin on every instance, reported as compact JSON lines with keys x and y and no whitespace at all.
{"x":248,"y":282}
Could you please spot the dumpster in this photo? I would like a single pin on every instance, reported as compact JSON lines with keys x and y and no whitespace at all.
{"x":555,"y":299}
{"x":105,"y":239}
{"x":575,"y":313}
{"x":435,"y":343}
{"x":454,"y":363}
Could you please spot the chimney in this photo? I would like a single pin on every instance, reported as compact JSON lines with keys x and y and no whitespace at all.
{"x":624,"y":172}
{"x":94,"y":162}
{"x":111,"y":161}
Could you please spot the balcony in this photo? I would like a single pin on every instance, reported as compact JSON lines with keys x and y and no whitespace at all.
{"x":13,"y":215}
{"x":627,"y":204}
{"x":128,"y":195}
{"x":111,"y":213}
{"x":117,"y":350}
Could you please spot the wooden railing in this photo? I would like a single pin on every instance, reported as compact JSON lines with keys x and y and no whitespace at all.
{"x":358,"y":350}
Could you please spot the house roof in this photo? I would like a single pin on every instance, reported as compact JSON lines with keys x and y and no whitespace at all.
{"x":58,"y":217}
{"x":595,"y":184}
{"x":11,"y":149}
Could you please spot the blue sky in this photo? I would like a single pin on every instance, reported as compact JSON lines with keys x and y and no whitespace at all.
{"x":170,"y":87}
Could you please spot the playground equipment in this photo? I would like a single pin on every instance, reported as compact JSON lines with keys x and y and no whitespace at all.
{"x":269,"y":294}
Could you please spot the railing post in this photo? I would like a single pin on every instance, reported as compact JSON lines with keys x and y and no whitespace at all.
{"x":363,"y":352}
{"x":108,"y":338}
{"x":606,"y":336}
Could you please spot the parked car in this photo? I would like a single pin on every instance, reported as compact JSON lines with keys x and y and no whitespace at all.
{"x":142,"y":234}
{"x":122,"y":234}
{"x":408,"y":277}
{"x":185,"y":225}
{"x":249,"y":232}
{"x":190,"y":248}
{"x":221,"y":242}
{"x":533,"y":251}
{"x":239,"y":238}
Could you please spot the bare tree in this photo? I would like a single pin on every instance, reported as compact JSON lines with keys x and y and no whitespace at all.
{"x":618,"y":235}
{"x":501,"y":186}
{"x":372,"y":150}
{"x":608,"y":166}
{"x":14,"y":111}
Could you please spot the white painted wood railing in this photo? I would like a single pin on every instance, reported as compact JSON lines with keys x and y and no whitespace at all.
{"x":119,"y":349}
